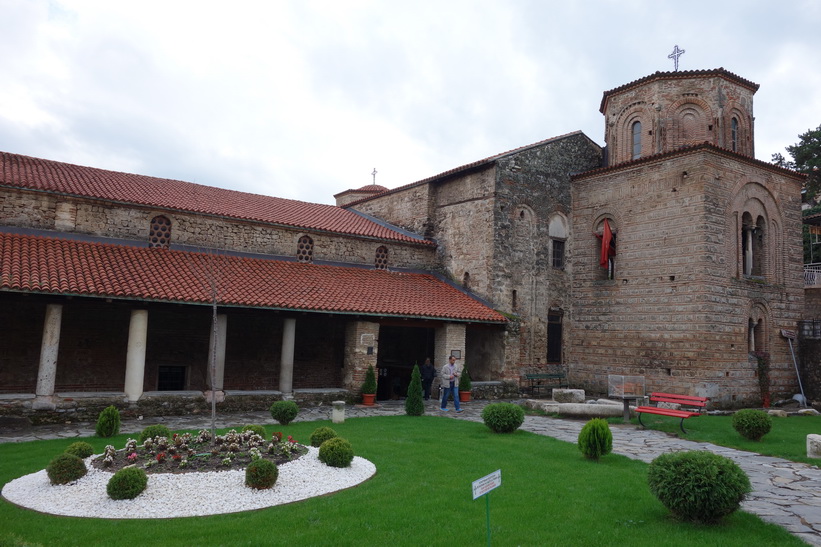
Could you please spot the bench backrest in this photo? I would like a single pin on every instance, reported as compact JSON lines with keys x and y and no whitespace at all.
{"x":686,"y":400}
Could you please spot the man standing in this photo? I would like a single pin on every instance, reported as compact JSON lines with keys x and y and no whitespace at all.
{"x":450,"y":382}
{"x":428,"y":373}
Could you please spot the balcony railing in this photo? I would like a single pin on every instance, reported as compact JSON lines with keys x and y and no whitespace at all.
{"x":812,"y":275}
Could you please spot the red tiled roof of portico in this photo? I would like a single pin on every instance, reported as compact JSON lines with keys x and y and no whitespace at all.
{"x":64,"y":178}
{"x":35,"y":264}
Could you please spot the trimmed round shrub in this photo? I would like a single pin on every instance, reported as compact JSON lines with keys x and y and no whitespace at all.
{"x":752,"y":424}
{"x":503,"y":417}
{"x":81,"y":449}
{"x":284,"y":411}
{"x":127,"y":484}
{"x":108,"y":423}
{"x":595,"y":439}
{"x":258,"y":429}
{"x":322,"y":434}
{"x":261,"y":474}
{"x":697,"y":485}
{"x":157,"y":430}
{"x":336,"y":452}
{"x":65,"y":468}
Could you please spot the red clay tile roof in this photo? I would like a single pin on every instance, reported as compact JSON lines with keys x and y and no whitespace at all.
{"x":689,"y":150}
{"x":679,"y":75}
{"x":64,"y":178}
{"x":59,"y":266}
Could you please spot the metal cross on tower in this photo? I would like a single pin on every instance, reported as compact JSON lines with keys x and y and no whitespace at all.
{"x":675,"y":55}
{"x":374,"y":175}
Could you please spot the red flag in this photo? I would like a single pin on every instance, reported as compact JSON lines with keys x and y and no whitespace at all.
{"x":607,"y":249}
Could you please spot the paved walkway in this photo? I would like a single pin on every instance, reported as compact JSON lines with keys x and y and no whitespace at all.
{"x":784,"y":492}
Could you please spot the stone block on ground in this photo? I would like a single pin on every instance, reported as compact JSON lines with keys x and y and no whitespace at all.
{"x":813,"y":446}
{"x":777,"y":413}
{"x":568,"y":395}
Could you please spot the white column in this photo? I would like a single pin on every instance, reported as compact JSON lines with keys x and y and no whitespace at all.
{"x":219,"y":348}
{"x":135,"y":358}
{"x":748,"y":262}
{"x":286,"y":369}
{"x":49,"y":349}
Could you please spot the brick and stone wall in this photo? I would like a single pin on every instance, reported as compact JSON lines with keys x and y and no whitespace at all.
{"x":677,"y":311}
{"x":675,"y":113}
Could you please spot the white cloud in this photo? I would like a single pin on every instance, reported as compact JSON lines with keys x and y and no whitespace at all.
{"x":302,"y":99}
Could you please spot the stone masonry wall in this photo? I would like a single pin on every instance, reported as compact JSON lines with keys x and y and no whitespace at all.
{"x":359,"y":336}
{"x":42,"y":211}
{"x":812,"y":303}
{"x":676,"y":311}
{"x":533,"y":198}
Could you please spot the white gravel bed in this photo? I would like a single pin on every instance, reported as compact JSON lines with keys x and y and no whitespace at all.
{"x":187,"y":494}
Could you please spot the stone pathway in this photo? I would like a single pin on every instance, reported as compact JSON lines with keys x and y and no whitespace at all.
{"x":784,"y":492}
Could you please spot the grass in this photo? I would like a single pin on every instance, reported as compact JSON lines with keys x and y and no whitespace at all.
{"x":421,"y":495}
{"x":787,"y":439}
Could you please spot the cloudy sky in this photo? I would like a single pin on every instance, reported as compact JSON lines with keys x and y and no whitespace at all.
{"x":303,"y":99}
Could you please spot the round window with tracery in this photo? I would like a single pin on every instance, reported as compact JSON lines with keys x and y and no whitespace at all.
{"x":159,"y":234}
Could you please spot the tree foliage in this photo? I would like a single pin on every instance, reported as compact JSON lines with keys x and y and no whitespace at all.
{"x":806,"y":158}
{"x":414,"y":405}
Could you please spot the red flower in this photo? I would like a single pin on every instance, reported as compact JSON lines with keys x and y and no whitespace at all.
{"x":278,"y":436}
{"x":177,"y":457}
{"x":161,"y":457}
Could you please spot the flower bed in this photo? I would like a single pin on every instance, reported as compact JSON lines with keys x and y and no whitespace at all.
{"x":183,"y":453}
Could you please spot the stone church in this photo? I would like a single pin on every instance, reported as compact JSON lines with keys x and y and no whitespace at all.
{"x":671,"y":253}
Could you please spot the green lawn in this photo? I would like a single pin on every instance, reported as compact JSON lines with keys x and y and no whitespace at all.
{"x":787,"y":439}
{"x":421,"y":495}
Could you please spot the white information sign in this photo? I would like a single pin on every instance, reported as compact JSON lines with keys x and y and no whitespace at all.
{"x":487,"y":483}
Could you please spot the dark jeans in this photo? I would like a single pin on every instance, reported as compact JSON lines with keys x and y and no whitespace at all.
{"x":447,"y":391}
{"x":426,"y":387}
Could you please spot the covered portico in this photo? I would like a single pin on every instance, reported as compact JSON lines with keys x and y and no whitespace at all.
{"x":141,"y":322}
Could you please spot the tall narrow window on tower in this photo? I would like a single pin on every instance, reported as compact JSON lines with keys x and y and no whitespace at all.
{"x":734,"y":134}
{"x":636,"y":129}
{"x":753,"y":245}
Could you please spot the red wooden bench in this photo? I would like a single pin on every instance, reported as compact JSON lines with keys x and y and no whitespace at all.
{"x":683,"y":400}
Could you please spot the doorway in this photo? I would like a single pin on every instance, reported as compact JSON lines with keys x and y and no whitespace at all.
{"x":399,"y":349}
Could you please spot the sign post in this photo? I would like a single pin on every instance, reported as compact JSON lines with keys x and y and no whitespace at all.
{"x":482,"y":487}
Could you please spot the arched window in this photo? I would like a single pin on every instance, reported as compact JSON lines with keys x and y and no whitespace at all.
{"x":159,"y":233}
{"x":753,"y":245}
{"x":557,"y":230}
{"x":466,"y":281}
{"x":305,"y":249}
{"x":636,"y":131}
{"x":381,"y":259}
{"x":734,"y":134}
{"x":606,"y":248}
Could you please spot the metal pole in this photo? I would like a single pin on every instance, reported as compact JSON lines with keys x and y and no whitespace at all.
{"x":487,"y":505}
{"x":798,"y":374}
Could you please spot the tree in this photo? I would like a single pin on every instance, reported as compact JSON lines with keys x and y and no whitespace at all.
{"x":414,"y":406}
{"x":806,"y":158}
